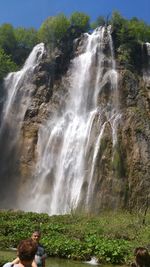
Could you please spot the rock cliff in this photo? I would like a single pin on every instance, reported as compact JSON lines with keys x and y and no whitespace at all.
{"x":122,"y":171}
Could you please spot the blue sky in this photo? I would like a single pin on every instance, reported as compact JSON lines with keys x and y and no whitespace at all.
{"x":31,"y":13}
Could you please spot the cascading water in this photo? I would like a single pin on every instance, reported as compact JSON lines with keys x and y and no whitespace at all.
{"x":146,"y":71}
{"x":69,"y":144}
{"x":17,"y":87}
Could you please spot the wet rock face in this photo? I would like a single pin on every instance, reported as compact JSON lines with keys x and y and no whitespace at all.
{"x":46,"y":98}
{"x":135,"y":137}
{"x":122,"y":174}
{"x":114,"y":188}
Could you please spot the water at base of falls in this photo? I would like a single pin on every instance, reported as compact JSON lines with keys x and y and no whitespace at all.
{"x":93,"y":261}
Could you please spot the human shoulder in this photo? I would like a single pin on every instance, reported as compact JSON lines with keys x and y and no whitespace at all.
{"x":40,"y":245}
{"x":40,"y":250}
{"x":10,"y":264}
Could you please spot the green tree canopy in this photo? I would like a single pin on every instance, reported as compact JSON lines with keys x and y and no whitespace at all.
{"x":53,"y":29}
{"x":80,"y":20}
{"x":128,"y":36}
{"x":59,"y":30}
{"x":117,"y":21}
{"x":7,"y":38}
{"x":139,"y":29}
{"x":26,"y":38}
{"x":6,"y":64}
{"x":128,"y":31}
{"x":100,"y":21}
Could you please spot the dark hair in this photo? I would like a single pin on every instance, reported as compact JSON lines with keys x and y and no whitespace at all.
{"x":142,"y":257}
{"x":27,"y":250}
{"x":37,"y":232}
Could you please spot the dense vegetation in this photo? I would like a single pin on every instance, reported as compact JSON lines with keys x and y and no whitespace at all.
{"x":17,"y":43}
{"x":110,"y":237}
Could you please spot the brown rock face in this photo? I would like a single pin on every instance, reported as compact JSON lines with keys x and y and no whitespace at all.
{"x":122,"y":173}
{"x":135,"y":137}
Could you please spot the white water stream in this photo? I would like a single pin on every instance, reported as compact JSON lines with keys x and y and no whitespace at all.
{"x":18,"y":91}
{"x":17,"y":87}
{"x":146,"y":72}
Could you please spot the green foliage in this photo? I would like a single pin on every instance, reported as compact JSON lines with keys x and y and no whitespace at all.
{"x":139,"y":29}
{"x":53,"y":29}
{"x":110,"y":237}
{"x":128,"y":36}
{"x":122,"y":34}
{"x":109,"y":250}
{"x":17,"y":43}
{"x":7,"y":38}
{"x":100,"y":21}
{"x":80,"y":20}
{"x":124,"y":55}
{"x":116,"y":160}
{"x":117,"y":21}
{"x":26,"y":39}
{"x":6,"y":64}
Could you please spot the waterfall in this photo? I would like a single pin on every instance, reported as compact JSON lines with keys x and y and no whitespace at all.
{"x":146,"y":71}
{"x":17,"y":88}
{"x":69,"y":144}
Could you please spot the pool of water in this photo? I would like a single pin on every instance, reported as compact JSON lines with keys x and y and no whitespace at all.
{"x":56,"y":262}
{"x":50,"y":262}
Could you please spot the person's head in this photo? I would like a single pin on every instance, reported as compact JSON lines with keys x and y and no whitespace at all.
{"x":36,"y":235}
{"x":142,"y":257}
{"x":26,"y":250}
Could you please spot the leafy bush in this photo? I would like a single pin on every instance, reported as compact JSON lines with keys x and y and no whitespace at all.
{"x":110,"y":237}
{"x":112,"y":251}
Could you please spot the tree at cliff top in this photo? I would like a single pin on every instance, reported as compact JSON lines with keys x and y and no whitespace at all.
{"x":7,"y":38}
{"x":6,"y":64}
{"x":127,"y":30}
{"x":100,"y":21}
{"x":53,"y":29}
{"x":128,"y":36}
{"x":17,"y":43}
{"x":80,"y":20}
{"x":26,"y":39}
